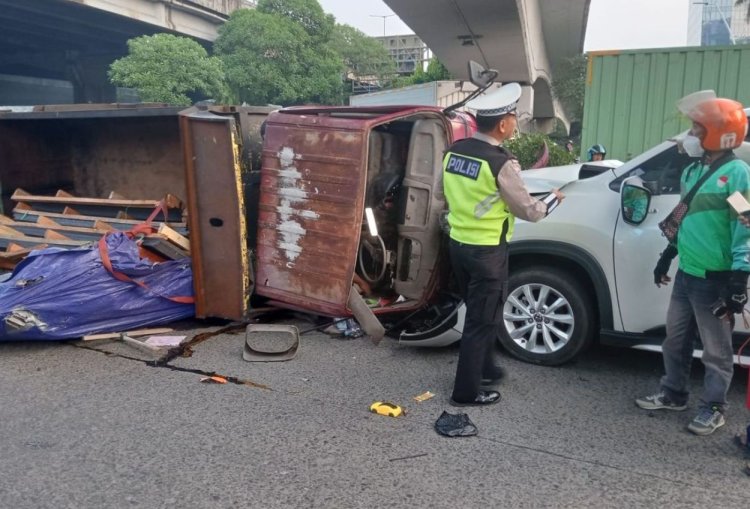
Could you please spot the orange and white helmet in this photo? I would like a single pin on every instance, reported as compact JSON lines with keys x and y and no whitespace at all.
{"x":724,"y":120}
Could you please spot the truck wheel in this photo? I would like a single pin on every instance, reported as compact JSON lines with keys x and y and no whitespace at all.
{"x":548,"y":318}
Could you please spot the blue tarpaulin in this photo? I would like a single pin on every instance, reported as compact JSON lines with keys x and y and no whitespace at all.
{"x":61,"y":294}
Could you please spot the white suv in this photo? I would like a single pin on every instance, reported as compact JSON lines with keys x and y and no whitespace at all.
{"x":584,"y":271}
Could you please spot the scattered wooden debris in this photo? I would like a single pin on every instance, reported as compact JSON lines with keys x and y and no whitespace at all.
{"x":132,"y":334}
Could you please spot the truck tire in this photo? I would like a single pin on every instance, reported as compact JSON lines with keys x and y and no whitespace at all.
{"x":548,"y":317}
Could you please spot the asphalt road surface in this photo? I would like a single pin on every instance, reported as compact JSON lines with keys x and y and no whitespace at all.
{"x":97,"y":426}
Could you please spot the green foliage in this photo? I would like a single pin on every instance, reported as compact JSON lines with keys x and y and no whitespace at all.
{"x":306,"y":13}
{"x":363,"y":56}
{"x":436,"y":71}
{"x":272,"y":58}
{"x":166,"y":68}
{"x":569,"y":85}
{"x":528,"y":148}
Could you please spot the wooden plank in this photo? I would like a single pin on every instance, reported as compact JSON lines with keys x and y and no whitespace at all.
{"x":171,"y":201}
{"x":63,"y":194}
{"x":46,"y":221}
{"x":70,"y":211}
{"x":14,"y":248}
{"x":7,"y":230}
{"x":21,"y":214}
{"x":53,"y":235}
{"x":132,"y":334}
{"x":174,"y":237}
{"x":104,"y":227}
{"x":27,"y":242}
{"x":44,"y":225}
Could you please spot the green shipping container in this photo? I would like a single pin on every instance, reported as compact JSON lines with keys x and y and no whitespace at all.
{"x":631,"y":95}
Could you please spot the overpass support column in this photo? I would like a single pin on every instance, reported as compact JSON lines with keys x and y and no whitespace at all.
{"x":88,"y":74}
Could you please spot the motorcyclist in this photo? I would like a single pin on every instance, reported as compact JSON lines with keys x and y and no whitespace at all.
{"x":597,"y":152}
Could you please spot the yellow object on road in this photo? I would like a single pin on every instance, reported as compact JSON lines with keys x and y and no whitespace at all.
{"x":424,"y":396}
{"x":387,"y":409}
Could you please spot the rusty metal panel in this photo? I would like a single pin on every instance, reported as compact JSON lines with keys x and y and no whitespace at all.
{"x":216,"y":215}
{"x":310,"y":210}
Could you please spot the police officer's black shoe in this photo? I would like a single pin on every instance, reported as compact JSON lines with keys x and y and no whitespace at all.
{"x":483,"y":398}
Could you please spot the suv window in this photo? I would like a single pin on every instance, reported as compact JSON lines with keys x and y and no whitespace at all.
{"x":663,"y":171}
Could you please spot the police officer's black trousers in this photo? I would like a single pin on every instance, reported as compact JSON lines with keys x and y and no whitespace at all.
{"x":481,"y":273}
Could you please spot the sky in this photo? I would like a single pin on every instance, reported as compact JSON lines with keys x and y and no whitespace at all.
{"x":612,"y":24}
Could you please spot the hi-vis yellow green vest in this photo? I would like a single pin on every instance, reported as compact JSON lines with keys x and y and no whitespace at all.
{"x":477,"y":213}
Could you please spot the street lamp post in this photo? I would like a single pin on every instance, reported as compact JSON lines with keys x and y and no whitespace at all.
{"x":384,"y":16}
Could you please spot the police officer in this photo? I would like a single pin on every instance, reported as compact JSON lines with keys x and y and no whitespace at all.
{"x":485,"y":193}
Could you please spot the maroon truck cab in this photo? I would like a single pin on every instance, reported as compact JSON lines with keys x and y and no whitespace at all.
{"x":324,"y":171}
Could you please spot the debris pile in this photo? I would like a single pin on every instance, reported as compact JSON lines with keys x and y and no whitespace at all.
{"x":90,"y":265}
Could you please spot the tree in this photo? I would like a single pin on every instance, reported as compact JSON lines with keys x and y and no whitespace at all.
{"x":306,"y":13}
{"x":273,"y":58}
{"x":528,"y":148}
{"x":436,"y":71}
{"x":166,"y":68}
{"x":569,"y":85}
{"x":363,"y":56}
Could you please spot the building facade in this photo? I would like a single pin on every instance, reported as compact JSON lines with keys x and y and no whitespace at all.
{"x":718,"y":23}
{"x":408,"y":51}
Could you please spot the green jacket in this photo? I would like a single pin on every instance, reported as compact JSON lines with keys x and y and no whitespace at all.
{"x":710,"y":236}
{"x":477,"y":214}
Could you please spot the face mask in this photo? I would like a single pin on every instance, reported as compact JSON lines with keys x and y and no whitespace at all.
{"x":692,"y":146}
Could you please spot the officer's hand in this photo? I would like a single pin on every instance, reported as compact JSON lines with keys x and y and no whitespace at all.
{"x":662,"y":266}
{"x":558,"y":194}
{"x":745,"y":220}
{"x":735,"y":294}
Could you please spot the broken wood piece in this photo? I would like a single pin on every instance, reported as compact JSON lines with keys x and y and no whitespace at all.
{"x":70,"y":211}
{"x":5,"y":219}
{"x":140,"y":345}
{"x":161,"y":245}
{"x":14,"y":254}
{"x":174,"y":237}
{"x":113,"y":195}
{"x":132,"y":334}
{"x":63,"y":194}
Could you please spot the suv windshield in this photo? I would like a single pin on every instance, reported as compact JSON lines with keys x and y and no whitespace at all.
{"x":663,"y":171}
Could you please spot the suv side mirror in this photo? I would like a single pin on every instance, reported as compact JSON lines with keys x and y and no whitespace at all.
{"x":634,"y":203}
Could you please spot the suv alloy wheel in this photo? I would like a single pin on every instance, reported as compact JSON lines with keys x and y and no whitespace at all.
{"x":548,"y":317}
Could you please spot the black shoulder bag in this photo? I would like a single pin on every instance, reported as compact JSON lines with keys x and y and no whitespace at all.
{"x":671,"y":224}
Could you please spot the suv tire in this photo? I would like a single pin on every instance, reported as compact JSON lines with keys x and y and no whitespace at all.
{"x":548,"y":318}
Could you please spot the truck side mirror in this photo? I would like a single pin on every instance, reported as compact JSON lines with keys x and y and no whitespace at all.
{"x":634,"y":203}
{"x":480,"y":76}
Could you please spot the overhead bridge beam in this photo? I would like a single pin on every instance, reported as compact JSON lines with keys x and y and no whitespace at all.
{"x":197,"y":18}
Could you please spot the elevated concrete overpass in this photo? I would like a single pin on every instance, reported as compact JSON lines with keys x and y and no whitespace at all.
{"x":76,"y":40}
{"x":523,"y":39}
